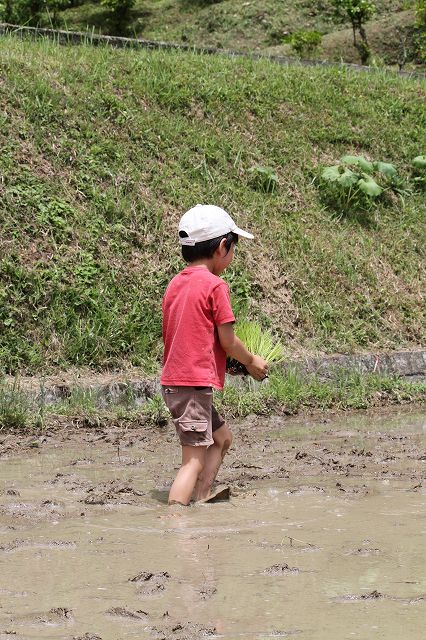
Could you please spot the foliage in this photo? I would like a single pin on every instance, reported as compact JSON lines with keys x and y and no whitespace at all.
{"x":31,"y":12}
{"x":419,"y":164}
{"x":356,"y":182}
{"x":264,"y":178}
{"x":358,"y":12}
{"x":420,"y":36}
{"x":421,"y":12}
{"x":22,"y":11}
{"x":119,"y":8}
{"x":200,"y":3}
{"x":304,"y":42}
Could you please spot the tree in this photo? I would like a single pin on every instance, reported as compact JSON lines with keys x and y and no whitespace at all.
{"x":120,"y":8}
{"x":29,"y":12}
{"x":358,"y":12}
{"x":6,"y":10}
{"x":420,"y":39}
{"x":53,"y":7}
{"x":21,"y":11}
{"x":421,"y":12}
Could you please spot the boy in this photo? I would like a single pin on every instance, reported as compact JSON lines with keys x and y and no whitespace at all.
{"x":198,"y":333}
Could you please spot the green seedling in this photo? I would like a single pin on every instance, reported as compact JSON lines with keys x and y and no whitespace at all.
{"x":258,"y":341}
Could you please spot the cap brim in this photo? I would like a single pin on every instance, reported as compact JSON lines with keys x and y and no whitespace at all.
{"x":244,"y":234}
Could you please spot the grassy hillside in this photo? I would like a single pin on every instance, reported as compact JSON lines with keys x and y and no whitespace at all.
{"x":103,"y":150}
{"x":248,"y":25}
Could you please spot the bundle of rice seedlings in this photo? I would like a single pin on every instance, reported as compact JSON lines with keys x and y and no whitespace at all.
{"x":258,"y":341}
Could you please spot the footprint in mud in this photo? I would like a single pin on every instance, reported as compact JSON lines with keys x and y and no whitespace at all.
{"x":207,"y":591}
{"x":150,"y":584}
{"x":418,"y":488}
{"x":121,"y":612}
{"x":126,"y":461}
{"x":87,"y":636}
{"x":55,"y":617}
{"x":283,"y":634}
{"x":376,"y":595}
{"x":9,"y":492}
{"x":32,"y":544}
{"x":363,"y":551}
{"x":47,"y":510}
{"x":298,"y":546}
{"x":71,"y":482}
{"x":305,"y":490}
{"x":244,"y":478}
{"x":182,"y":631}
{"x":359,"y":492}
{"x":82,"y":462}
{"x":14,"y":594}
{"x":114,"y":492}
{"x":281,"y":570}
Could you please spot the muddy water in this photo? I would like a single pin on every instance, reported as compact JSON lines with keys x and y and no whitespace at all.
{"x":324,"y":537}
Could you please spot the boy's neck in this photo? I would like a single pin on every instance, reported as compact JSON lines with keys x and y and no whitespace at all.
{"x":205,"y":263}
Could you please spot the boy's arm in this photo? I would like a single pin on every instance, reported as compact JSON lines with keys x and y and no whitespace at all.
{"x":232,"y":345}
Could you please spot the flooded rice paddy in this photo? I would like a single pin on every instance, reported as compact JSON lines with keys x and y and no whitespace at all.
{"x":324,"y":537}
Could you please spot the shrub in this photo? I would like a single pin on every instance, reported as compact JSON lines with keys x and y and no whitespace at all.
{"x":304,"y":42}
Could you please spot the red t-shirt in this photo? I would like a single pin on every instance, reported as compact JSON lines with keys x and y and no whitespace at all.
{"x":194,"y":304}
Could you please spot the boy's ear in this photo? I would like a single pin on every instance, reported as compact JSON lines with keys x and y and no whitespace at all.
{"x":222,"y":248}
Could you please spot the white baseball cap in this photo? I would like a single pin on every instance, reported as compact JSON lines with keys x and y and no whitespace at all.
{"x":205,"y":222}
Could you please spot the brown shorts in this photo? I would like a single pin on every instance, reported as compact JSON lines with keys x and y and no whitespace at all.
{"x":193,"y":413}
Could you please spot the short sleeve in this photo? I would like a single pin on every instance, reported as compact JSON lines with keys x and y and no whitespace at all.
{"x":221,"y":305}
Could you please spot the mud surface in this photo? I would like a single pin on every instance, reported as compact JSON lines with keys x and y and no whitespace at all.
{"x":323,"y":538}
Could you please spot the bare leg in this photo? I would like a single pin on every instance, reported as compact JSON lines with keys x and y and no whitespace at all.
{"x":193,"y":460}
{"x":214,"y":456}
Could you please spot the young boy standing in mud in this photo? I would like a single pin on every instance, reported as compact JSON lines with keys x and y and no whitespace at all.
{"x":198,"y":333}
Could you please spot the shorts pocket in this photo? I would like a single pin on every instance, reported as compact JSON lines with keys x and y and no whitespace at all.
{"x":196,"y":426}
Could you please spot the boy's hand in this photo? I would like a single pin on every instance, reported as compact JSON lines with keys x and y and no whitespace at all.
{"x":258,"y":368}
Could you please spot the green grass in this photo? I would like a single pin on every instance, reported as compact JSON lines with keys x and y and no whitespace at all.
{"x":16,"y":408}
{"x":286,"y":393}
{"x":292,"y":393}
{"x":103,"y":150}
{"x":247,"y":26}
